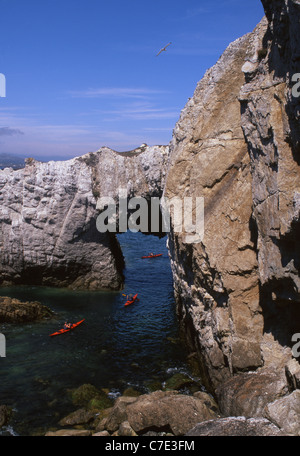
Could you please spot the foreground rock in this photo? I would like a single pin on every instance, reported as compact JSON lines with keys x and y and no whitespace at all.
{"x":258,"y":403}
{"x":236,"y":426}
{"x":254,"y":408}
{"x":175,"y":411}
{"x":285,"y":413}
{"x":248,"y":394}
{"x":14,"y":311}
{"x":156,"y":413}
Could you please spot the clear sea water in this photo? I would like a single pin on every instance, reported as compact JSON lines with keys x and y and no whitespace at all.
{"x":115,"y":348}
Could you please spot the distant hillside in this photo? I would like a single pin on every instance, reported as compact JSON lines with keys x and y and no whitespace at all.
{"x":11,"y":161}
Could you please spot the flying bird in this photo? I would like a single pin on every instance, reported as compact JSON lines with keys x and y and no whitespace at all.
{"x":163,"y":49}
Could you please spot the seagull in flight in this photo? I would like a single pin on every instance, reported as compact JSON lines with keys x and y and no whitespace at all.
{"x":163,"y":49}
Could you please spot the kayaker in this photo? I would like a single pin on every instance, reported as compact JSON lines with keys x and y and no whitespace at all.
{"x":67,"y":325}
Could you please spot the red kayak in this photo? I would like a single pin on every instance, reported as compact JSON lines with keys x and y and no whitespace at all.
{"x":127,"y":303}
{"x":152,"y":256}
{"x":62,"y":331}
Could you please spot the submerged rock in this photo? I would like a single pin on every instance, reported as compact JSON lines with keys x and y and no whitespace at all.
{"x":14,"y":311}
{"x":89,"y":396}
{"x":131,"y":392}
{"x":180,"y":381}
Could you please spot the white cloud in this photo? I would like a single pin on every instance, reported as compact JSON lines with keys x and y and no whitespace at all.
{"x":137,"y":110}
{"x":120,"y":92}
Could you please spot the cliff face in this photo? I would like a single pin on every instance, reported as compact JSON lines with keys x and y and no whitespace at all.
{"x":270,"y":121}
{"x":237,"y":145}
{"x":48,"y":217}
{"x":216,"y":281}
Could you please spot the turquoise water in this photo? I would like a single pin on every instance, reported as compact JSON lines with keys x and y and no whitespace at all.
{"x":116,"y":347}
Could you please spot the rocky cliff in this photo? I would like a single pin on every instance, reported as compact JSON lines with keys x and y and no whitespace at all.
{"x":48,"y":217}
{"x":237,"y":145}
{"x":216,"y":281}
{"x":270,"y":122}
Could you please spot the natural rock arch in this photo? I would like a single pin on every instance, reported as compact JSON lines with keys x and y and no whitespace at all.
{"x":48,"y":217}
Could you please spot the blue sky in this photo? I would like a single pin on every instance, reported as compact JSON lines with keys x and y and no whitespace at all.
{"x":82,"y":74}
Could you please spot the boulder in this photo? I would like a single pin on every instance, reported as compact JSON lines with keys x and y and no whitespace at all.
{"x":118,"y":413}
{"x":161,"y":410}
{"x":81,"y":416}
{"x":208,"y":400}
{"x":235,"y":426}
{"x":247,"y":394}
{"x":285,"y":413}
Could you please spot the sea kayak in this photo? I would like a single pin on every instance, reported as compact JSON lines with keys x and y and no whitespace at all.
{"x":152,"y":256}
{"x":127,"y":303}
{"x":62,"y":331}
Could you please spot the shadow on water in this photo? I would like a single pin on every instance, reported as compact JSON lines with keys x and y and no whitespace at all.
{"x":114,"y":348}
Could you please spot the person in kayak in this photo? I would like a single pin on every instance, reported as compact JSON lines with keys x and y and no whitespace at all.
{"x":67,"y":325}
